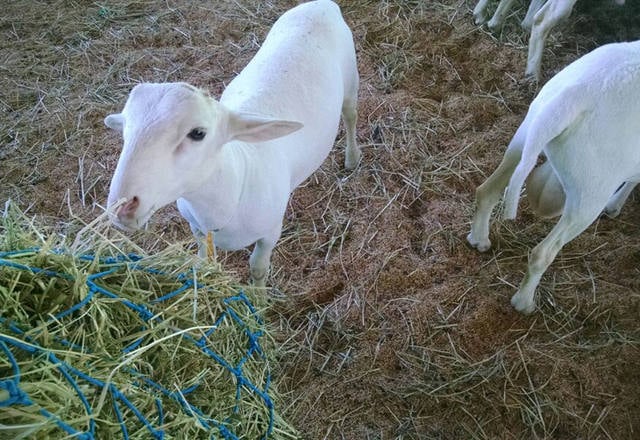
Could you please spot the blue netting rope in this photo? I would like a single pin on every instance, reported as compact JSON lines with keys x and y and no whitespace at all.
{"x":16,"y":396}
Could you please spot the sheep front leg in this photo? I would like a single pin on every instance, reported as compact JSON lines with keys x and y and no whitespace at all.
{"x":260,"y":258}
{"x":201,"y":240}
{"x":479,"y":12}
{"x":352,"y":152}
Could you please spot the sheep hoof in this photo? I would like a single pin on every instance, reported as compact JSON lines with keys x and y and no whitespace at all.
{"x":523,"y":304}
{"x":480,"y":245}
{"x":532,"y":74}
{"x":479,"y":19}
{"x":258,"y":278}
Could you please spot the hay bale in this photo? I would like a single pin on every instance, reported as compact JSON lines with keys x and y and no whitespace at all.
{"x":114,"y":345}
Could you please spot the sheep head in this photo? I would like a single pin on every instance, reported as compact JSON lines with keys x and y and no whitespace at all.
{"x":173,"y":134}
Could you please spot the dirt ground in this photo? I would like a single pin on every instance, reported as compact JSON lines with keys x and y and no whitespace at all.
{"x":391,"y":326}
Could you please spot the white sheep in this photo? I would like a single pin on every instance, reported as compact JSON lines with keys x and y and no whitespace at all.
{"x":542,"y":16}
{"x":232,"y":165}
{"x":585,"y":121}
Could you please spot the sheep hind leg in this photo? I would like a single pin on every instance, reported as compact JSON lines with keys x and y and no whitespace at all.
{"x":487,"y":197}
{"x":618,"y":199}
{"x":576,"y":217}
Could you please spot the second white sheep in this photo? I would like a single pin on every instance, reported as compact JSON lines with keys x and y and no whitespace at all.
{"x":585,"y":121}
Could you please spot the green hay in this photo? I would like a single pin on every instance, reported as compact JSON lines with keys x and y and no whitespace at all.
{"x":92,"y":340}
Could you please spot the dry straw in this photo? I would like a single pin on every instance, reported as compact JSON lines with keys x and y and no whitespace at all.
{"x":89,"y":348}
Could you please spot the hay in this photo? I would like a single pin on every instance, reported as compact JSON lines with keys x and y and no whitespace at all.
{"x":114,"y":345}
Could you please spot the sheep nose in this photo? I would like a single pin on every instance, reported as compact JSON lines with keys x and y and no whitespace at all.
{"x":128,"y":209}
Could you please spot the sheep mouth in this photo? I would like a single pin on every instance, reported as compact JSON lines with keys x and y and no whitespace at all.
{"x":134,"y":224}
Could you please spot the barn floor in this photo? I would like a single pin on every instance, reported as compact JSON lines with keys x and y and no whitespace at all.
{"x":390,"y":325}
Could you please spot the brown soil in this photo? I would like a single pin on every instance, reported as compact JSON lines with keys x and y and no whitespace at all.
{"x":391,"y":326}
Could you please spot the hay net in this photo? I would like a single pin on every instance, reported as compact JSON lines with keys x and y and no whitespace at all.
{"x":125,"y":346}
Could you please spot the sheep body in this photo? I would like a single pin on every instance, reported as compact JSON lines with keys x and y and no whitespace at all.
{"x":585,"y":121}
{"x":274,"y":125}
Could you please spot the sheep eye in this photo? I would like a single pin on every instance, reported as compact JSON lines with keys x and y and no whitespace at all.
{"x":197,"y":134}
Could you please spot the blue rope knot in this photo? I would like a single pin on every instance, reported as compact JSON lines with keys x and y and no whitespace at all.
{"x":16,"y":395}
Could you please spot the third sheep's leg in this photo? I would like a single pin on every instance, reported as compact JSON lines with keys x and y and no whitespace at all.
{"x":534,"y":7}
{"x":500,"y":15}
{"x":546,"y":19}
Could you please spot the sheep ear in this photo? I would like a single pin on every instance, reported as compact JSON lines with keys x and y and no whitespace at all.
{"x":115,"y":121}
{"x":253,"y":128}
